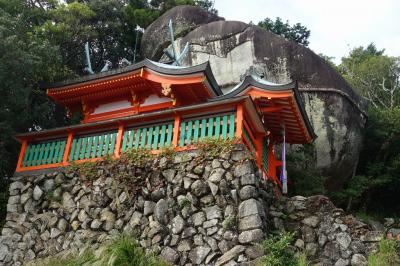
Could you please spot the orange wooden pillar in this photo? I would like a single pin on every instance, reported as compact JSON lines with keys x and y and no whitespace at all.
{"x":175,"y":133}
{"x":118,"y":144}
{"x":273,"y":163}
{"x":67,"y":148}
{"x":239,"y":121}
{"x":21,"y":155}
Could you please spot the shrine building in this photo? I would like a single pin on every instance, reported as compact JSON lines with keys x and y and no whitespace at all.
{"x":150,"y":105}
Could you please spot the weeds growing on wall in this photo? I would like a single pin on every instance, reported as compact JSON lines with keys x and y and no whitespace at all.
{"x":87,"y":171}
{"x":277,"y":252}
{"x":138,"y":157}
{"x":388,"y":254}
{"x":213,"y":147}
{"x":124,"y":250}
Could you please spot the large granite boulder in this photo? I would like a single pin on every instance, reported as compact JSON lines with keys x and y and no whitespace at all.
{"x":184,"y":18}
{"x":235,"y":49}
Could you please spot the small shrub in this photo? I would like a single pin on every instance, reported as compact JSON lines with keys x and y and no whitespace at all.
{"x":277,"y":253}
{"x":230,"y":223}
{"x":214,"y":147}
{"x":126,"y":251}
{"x":387,"y":255}
{"x":123,"y":251}
{"x":87,"y":171}
{"x":168,"y":152}
{"x":138,"y":157}
{"x":302,"y":260}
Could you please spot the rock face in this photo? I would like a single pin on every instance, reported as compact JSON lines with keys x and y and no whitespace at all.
{"x":235,"y":49}
{"x":184,"y":19}
{"x":182,"y":221}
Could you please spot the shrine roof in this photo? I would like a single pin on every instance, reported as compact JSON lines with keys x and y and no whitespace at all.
{"x":157,"y":67}
{"x":277,"y":98}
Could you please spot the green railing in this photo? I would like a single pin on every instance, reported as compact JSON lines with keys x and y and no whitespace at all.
{"x":92,"y":146}
{"x":151,"y":137}
{"x":88,"y":143}
{"x":248,"y":139}
{"x":43,"y":153}
{"x":194,"y":129}
{"x":264,"y":159}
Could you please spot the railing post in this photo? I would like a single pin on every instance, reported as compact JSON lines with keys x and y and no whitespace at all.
{"x":21,"y":155}
{"x":67,"y":148}
{"x":118,"y":144}
{"x":239,"y":121}
{"x":175,"y":135}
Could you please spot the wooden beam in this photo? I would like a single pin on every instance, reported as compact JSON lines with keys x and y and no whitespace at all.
{"x":270,"y":109}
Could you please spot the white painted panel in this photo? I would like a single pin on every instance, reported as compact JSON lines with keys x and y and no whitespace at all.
{"x":154,"y":99}
{"x":113,"y":106}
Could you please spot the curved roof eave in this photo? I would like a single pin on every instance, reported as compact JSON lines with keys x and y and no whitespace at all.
{"x":155,"y":66}
{"x":251,"y":81}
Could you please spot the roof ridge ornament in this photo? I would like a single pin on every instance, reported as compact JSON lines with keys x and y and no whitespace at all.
{"x":174,"y":55}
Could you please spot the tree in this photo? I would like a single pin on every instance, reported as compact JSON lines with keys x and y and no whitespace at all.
{"x":297,"y":33}
{"x":374,"y":75}
{"x":43,"y":41}
{"x":376,"y":186}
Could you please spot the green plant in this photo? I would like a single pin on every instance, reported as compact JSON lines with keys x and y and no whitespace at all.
{"x":84,"y":257}
{"x":230,"y":222}
{"x":138,"y":157}
{"x":277,"y":253}
{"x":307,"y":180}
{"x":122,"y":251}
{"x":302,"y":260}
{"x":185,"y":203}
{"x":126,"y":251}
{"x":87,"y":170}
{"x":387,"y":255}
{"x":51,"y":197}
{"x":167,"y":152}
{"x":214,"y":147}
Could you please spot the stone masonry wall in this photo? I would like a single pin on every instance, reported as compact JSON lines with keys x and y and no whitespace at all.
{"x":325,"y":233}
{"x":187,"y":209}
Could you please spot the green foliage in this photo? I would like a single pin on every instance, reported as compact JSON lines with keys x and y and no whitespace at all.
{"x":123,"y":251}
{"x":230,"y":222}
{"x":302,"y":172}
{"x":126,"y":251}
{"x":297,"y":32}
{"x":87,"y":171}
{"x":167,"y":152}
{"x":376,"y":186}
{"x":213,"y":147}
{"x":387,"y":255}
{"x":329,"y":60}
{"x":302,"y":260}
{"x":138,"y":157}
{"x":374,"y":75}
{"x":277,"y":253}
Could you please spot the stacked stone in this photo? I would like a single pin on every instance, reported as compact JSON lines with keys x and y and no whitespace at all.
{"x":189,"y":210}
{"x":325,"y":233}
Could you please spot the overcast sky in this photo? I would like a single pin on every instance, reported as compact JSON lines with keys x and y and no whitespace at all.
{"x":336,"y":25}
